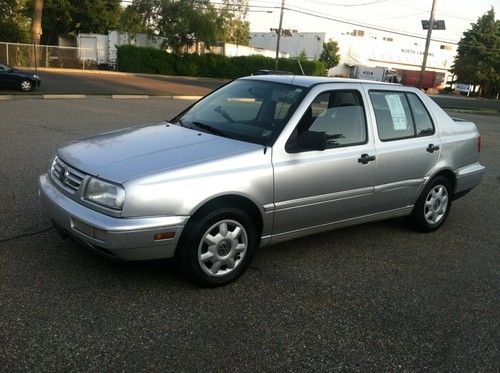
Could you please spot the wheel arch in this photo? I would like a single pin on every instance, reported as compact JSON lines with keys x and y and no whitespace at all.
{"x":449,"y":175}
{"x":231,"y":200}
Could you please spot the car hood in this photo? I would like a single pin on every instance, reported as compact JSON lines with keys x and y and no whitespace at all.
{"x":22,"y":73}
{"x":126,"y":154}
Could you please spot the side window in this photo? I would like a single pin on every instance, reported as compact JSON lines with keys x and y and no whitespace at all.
{"x":423,"y":122}
{"x":340,"y":115}
{"x":392,"y":112}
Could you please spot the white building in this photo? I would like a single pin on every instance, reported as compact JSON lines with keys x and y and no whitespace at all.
{"x":311,"y":43}
{"x":363,"y":48}
{"x":360,"y":48}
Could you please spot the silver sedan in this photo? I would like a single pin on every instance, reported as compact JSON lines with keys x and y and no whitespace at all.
{"x":262,"y":160}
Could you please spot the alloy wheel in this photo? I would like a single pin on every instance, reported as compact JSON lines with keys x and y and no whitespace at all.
{"x":436,"y":204}
{"x":222,"y":248}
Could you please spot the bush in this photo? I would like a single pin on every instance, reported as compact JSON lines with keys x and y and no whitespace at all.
{"x":154,"y":61}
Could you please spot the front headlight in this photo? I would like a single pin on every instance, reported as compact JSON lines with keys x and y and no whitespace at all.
{"x":35,"y":76}
{"x":104,"y":193}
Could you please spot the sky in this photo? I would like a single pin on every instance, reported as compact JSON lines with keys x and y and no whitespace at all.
{"x":401,"y":15}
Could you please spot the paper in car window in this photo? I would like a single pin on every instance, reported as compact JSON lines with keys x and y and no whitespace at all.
{"x":397,"y":112}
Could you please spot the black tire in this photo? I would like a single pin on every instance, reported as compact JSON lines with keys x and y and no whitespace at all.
{"x":26,"y":85}
{"x":188,"y":251}
{"x":418,"y":216}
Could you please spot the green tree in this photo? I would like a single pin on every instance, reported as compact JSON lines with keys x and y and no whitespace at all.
{"x":233,"y":26}
{"x":478,"y":55}
{"x":181,"y":22}
{"x":132,"y":22}
{"x":14,"y":25}
{"x":61,"y":17}
{"x":330,"y":55}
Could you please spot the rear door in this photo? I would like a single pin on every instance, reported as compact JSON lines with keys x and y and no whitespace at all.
{"x":408,"y":146}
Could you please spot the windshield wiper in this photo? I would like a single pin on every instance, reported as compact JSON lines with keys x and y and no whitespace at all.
{"x":211,"y":129}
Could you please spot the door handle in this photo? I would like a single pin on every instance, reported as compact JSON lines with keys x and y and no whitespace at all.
{"x":365,"y":158}
{"x":432,"y":148}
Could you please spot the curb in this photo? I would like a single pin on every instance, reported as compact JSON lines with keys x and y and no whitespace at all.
{"x":473,"y":111}
{"x":129,"y":96}
{"x":80,"y":96}
{"x":186,"y":97}
{"x":63,"y":96}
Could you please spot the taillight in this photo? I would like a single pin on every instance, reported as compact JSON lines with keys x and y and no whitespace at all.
{"x":479,"y":144}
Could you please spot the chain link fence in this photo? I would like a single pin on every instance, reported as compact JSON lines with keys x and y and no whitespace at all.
{"x":29,"y":56}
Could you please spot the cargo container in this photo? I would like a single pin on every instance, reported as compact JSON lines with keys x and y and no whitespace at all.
{"x":432,"y":79}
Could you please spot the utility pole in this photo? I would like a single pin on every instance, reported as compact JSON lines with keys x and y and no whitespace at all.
{"x":279,"y":32}
{"x":427,"y":44}
{"x":36,"y":28}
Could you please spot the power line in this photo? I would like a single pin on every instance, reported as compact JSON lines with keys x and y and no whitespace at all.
{"x":349,"y":5}
{"x":368,"y":26}
{"x":300,"y":10}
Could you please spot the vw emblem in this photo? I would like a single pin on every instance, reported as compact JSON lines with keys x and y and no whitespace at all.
{"x":63,"y":175}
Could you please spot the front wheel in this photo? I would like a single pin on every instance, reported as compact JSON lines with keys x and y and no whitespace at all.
{"x":26,"y":85}
{"x":433,"y":205}
{"x":217,"y":248}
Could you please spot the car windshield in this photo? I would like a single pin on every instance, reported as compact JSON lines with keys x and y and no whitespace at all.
{"x":247,"y":110}
{"x":4,"y":67}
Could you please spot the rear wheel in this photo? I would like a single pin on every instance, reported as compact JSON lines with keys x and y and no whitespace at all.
{"x":433,"y":205}
{"x":26,"y":85}
{"x":217,"y":248}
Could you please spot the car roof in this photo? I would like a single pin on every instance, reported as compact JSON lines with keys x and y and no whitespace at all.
{"x":308,"y":81}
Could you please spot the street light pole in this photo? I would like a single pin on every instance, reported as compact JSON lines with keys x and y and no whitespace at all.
{"x":427,"y":44}
{"x":279,"y":32}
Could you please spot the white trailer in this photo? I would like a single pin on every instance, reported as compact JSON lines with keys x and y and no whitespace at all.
{"x":100,"y":49}
{"x":93,"y":48}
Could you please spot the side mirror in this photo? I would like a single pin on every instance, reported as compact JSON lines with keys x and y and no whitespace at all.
{"x":311,"y":140}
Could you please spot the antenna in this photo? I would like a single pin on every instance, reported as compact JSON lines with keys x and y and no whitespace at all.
{"x":300,"y":65}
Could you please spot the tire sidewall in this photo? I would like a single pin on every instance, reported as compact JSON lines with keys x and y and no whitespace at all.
{"x":193,"y":234}
{"x":418,"y":214}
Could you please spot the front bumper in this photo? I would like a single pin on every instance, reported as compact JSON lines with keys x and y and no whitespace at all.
{"x":124,"y":238}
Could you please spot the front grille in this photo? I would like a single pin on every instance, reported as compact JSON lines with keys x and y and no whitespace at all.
{"x":67,"y":176}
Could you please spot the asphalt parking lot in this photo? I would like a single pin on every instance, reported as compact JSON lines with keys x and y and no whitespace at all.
{"x":60,"y":81}
{"x":376,"y":297}
{"x":91,"y":82}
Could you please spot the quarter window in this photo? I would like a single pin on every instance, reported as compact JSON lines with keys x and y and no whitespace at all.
{"x":423,"y":122}
{"x":400,"y":115}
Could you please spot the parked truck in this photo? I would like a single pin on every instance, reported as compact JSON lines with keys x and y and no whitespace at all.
{"x":378,"y":74}
{"x":432,"y":79}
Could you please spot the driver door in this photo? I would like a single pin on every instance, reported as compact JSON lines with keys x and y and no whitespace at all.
{"x":314,"y":189}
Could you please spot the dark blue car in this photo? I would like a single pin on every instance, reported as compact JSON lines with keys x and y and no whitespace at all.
{"x":11,"y":78}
